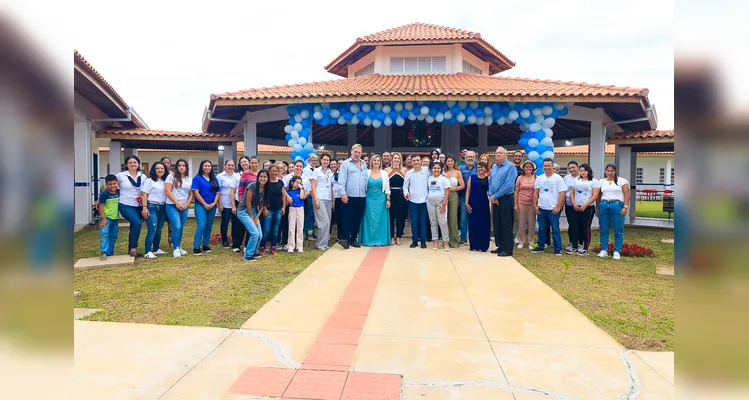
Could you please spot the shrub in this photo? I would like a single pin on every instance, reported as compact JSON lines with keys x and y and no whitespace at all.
{"x":216,"y":238}
{"x":629,"y":250}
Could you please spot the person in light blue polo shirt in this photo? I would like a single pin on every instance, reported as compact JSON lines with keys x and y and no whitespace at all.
{"x":353,"y":176}
{"x":501,"y":191}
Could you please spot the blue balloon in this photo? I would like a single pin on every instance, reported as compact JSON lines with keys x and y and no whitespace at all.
{"x":304,"y":133}
{"x":372,"y":113}
{"x":564,"y":112}
{"x":325,"y":112}
{"x":479,"y":112}
{"x":443,"y":107}
{"x":293,"y":154}
{"x":292,"y":110}
{"x":324,"y":121}
{"x":505,"y":110}
{"x":403,"y":113}
{"x":541,"y":149}
{"x":393,"y":114}
{"x":540,"y":169}
{"x":539,"y":135}
{"x":455,"y":110}
{"x":468,"y":111}
{"x":380,"y":115}
{"x":292,"y":121}
{"x":554,"y":114}
{"x":523,"y":142}
{"x":361,"y":115}
{"x":305,"y":123}
{"x":433,"y":111}
{"x":519,"y":107}
{"x":288,"y":137}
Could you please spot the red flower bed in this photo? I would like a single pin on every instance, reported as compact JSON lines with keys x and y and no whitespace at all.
{"x":629,"y":250}
{"x":216,"y":238}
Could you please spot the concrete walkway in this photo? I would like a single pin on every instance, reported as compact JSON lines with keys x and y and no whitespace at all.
{"x":382,"y":323}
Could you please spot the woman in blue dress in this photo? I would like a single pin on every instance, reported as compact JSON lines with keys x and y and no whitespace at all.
{"x":477,"y":205}
{"x":375,"y":227}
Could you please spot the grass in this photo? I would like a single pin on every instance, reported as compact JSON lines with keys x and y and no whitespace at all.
{"x":651,"y":209}
{"x":616,"y":295}
{"x":216,"y":289}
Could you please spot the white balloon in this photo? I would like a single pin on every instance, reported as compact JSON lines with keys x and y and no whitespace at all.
{"x":335,"y":113}
{"x":298,"y":118}
{"x":354,"y":108}
{"x":317,"y":107}
{"x":439,"y":117}
{"x":536,"y":112}
{"x":524,"y":126}
{"x":461,"y":117}
{"x":513,"y":115}
{"x":292,"y":142}
{"x":547,"y":110}
{"x":548,"y":132}
{"x":325,"y":105}
{"x":450,"y":103}
{"x":559,"y":106}
{"x":398,"y":107}
{"x":355,"y":120}
{"x":288,"y":128}
{"x":400,"y":121}
{"x":429,"y":119}
{"x":488,"y":110}
{"x":297,"y":147}
{"x":298,"y":158}
{"x":378,"y":106}
{"x":412,"y":116}
{"x":533,"y":142}
{"x":366,"y":107}
{"x":298,"y":127}
{"x":302,"y":141}
{"x":386,"y":109}
{"x":448,"y":114}
{"x":534,"y":127}
{"x":462,"y":104}
{"x":294,"y":135}
{"x":376,"y":123}
{"x":367,"y":121}
{"x":420,"y":117}
{"x":549,"y":123}
{"x":304,"y":114}
{"x":525,"y":113}
{"x":388,"y":121}
{"x":539,"y":119}
{"x":424,"y":110}
{"x":533,"y":154}
{"x":502,"y":120}
{"x":547,"y":141}
{"x":512,"y":104}
{"x":548,"y":154}
{"x":309,"y":146}
{"x":488,"y":120}
{"x":471,"y":119}
{"x":479,"y":121}
{"x":341,"y":120}
{"x":408,"y":106}
{"x":317,"y":115}
{"x":474,"y":105}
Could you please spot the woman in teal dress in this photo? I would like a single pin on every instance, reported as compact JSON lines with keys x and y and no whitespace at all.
{"x":375,"y":227}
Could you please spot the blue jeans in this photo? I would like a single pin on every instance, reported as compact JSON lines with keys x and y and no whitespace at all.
{"x":204,"y":219}
{"x":178,"y":219}
{"x":133,"y":216}
{"x":309,"y":217}
{"x":108,"y":236}
{"x":419,"y":221}
{"x":463,"y":216}
{"x":610,"y":214}
{"x":254,"y":230}
{"x":154,"y":224}
{"x":270,"y":224}
{"x":546,"y":220}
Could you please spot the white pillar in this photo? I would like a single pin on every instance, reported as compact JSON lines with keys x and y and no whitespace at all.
{"x":230,"y":152}
{"x":668,"y":174}
{"x":483,"y":140}
{"x":115,"y":157}
{"x":351,"y":135}
{"x":626,"y":164}
{"x":190,"y":167}
{"x":597,"y":149}
{"x":130,"y":152}
{"x":250,"y":139}
{"x":83,"y":193}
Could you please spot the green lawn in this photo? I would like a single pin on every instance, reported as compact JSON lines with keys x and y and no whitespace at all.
{"x":610,"y":292}
{"x":216,"y":289}
{"x":651,"y":209}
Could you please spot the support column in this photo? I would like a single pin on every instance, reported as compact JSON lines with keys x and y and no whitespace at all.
{"x":454,"y":144}
{"x":597,"y":148}
{"x":130,"y":152}
{"x":115,"y":157}
{"x":445,"y":137}
{"x":221,"y":158}
{"x":351,"y":135}
{"x":483,"y":140}
{"x":667,"y":177}
{"x":382,"y":139}
{"x":250,"y":138}
{"x":191,"y":167}
{"x":626,"y":163}
{"x":83,"y":193}
{"x":230,"y":152}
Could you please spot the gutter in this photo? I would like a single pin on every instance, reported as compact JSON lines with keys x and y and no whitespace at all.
{"x":128,"y":118}
{"x":207,"y":118}
{"x":650,"y":116}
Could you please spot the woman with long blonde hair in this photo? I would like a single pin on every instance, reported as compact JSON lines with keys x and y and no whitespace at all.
{"x":399,"y":205}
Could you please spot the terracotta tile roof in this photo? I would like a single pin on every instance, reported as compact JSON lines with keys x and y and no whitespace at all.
{"x":261,"y":149}
{"x":421,"y":33}
{"x":85,"y":64}
{"x":159,"y":134}
{"x":610,"y":150}
{"x":644,"y":135}
{"x":431,"y":87}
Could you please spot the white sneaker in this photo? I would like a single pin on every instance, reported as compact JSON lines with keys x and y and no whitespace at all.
{"x":603,"y":253}
{"x":159,"y":252}
{"x":300,"y":250}
{"x":177,"y":253}
{"x":515,"y":239}
{"x":183,"y":252}
{"x":290,"y":250}
{"x":150,"y":256}
{"x":520,"y":245}
{"x":569,"y":247}
{"x":617,"y":255}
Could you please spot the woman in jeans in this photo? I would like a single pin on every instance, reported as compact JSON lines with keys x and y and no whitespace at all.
{"x":238,"y":231}
{"x":270,"y":219}
{"x":207,"y":196}
{"x":524,"y":188}
{"x":178,"y":188}
{"x":130,"y":205}
{"x":153,"y":198}
{"x":226,"y":182}
{"x":583,"y":193}
{"x":250,"y":208}
{"x":611,"y":207}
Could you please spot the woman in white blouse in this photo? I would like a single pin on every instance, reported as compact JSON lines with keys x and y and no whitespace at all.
{"x":130,"y":182}
{"x":611,"y":208}
{"x":178,"y":187}
{"x":227,"y":181}
{"x":584,"y":192}
{"x":153,"y":198}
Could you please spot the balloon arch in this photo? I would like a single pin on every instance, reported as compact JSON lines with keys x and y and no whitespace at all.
{"x":536,"y":120}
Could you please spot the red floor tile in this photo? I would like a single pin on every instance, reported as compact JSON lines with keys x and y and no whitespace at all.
{"x":263,"y":381}
{"x":321,"y":367}
{"x":363,"y":386}
{"x":337,"y":335}
{"x":317,"y":385}
{"x":366,"y":271}
{"x":331,"y":354}
{"x":347,"y":321}
{"x":354,"y":296}
{"x":353,"y":308}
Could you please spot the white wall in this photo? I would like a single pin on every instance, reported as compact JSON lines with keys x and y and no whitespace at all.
{"x":650,"y":165}
{"x":455,"y":55}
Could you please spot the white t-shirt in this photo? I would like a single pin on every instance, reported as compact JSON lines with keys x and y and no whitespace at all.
{"x":181,"y":193}
{"x":569,"y":180}
{"x":610,"y":191}
{"x":225,"y":184}
{"x":415,"y":185}
{"x":324,"y":181}
{"x":337,"y":188}
{"x":155,"y":191}
{"x":583,"y":190}
{"x":437,"y":186}
{"x":548,"y":190}
{"x":306,"y":185}
{"x":130,"y":194}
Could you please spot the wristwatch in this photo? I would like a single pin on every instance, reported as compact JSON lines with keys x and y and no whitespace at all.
{"x":626,"y":206}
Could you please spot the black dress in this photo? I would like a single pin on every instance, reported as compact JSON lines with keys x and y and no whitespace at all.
{"x":398,"y":206}
{"x":478,"y":219}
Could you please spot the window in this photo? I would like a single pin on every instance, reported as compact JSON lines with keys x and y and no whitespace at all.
{"x":467,"y":67}
{"x":662,"y":176}
{"x":215,"y":169}
{"x":562,"y":171}
{"x":672,"y":176}
{"x":368,"y":70}
{"x":638,"y":177}
{"x":418,"y":65}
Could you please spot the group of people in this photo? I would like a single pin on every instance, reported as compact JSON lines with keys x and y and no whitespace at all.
{"x":447,"y":201}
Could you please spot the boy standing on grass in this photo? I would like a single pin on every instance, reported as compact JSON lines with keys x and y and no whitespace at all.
{"x":110,"y":214}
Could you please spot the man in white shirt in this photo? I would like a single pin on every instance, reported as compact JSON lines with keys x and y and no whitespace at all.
{"x":415,"y":190}
{"x":309,"y":206}
{"x":569,"y":210}
{"x":548,"y":199}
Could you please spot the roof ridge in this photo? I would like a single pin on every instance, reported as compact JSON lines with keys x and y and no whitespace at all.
{"x":586,"y":84}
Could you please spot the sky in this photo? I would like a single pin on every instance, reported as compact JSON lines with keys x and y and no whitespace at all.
{"x":166,"y":58}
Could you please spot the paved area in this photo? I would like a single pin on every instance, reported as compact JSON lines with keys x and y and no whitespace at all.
{"x":79,"y":313}
{"x":95,"y":262}
{"x":381,"y":323}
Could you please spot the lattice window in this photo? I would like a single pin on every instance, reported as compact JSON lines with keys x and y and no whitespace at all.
{"x":469,"y":68}
{"x":662,"y":176}
{"x":638,"y":177}
{"x":418,"y":65}
{"x":368,"y":70}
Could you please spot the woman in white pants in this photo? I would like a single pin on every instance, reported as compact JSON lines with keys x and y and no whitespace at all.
{"x":439,"y":190}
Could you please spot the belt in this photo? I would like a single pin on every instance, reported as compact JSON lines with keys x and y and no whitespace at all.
{"x":612,"y":201}
{"x":155,"y":203}
{"x":396,"y":188}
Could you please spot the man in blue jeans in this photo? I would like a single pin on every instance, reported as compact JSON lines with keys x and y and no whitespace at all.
{"x":548,"y":199}
{"x":415,"y":190}
{"x":468,"y":169}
